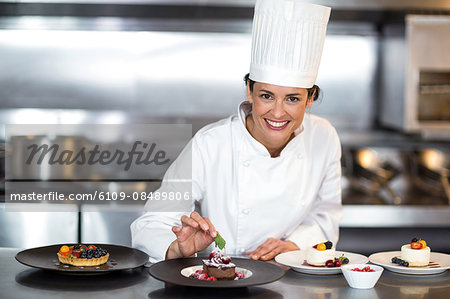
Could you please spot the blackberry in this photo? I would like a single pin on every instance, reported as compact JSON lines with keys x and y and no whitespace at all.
{"x":83,"y":255}
{"x":328,"y":244}
{"x":96,"y":255}
{"x":406,"y":264}
{"x":414,"y":240}
{"x":76,"y":247}
{"x":394,"y":260}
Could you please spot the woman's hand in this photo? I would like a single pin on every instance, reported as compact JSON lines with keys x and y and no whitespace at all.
{"x":194,"y":235}
{"x":272,"y":247}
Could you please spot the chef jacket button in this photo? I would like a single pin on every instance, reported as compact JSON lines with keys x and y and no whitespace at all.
{"x":245,"y":211}
{"x":246,"y":164}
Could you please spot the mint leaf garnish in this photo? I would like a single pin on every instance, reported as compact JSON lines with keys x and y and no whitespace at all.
{"x":220,"y":242}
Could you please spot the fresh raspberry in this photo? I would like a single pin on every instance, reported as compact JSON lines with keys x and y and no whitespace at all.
{"x":213,"y":254}
{"x":203,"y":276}
{"x":226,"y":259}
{"x":211,"y":278}
{"x":199,"y":272}
{"x":239,"y":275}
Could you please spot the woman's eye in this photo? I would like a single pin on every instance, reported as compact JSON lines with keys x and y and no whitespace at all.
{"x":265,"y":96}
{"x":293,"y":99}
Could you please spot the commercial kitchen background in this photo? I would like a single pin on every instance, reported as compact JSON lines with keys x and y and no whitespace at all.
{"x":128,"y":62}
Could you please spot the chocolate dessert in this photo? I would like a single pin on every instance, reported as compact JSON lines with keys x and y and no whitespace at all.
{"x":219,"y":266}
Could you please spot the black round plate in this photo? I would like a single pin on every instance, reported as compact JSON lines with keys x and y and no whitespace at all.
{"x":120,"y":258}
{"x":170,"y":272}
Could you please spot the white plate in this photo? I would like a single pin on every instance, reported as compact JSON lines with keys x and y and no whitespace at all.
{"x":297,"y":261}
{"x":385,"y":259}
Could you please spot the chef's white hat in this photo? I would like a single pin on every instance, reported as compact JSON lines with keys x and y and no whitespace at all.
{"x":287,"y":42}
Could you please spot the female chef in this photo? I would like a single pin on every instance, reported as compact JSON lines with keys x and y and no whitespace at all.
{"x":267,"y":178}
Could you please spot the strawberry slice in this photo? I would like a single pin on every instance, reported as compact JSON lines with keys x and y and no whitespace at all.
{"x":83,"y":248}
{"x":76,"y":253}
{"x":92,"y":247}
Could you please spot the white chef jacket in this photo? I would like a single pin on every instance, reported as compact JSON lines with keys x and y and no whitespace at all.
{"x":250,"y":196}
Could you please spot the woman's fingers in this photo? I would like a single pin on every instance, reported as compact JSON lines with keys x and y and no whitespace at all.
{"x":270,"y":248}
{"x":212,"y":229}
{"x":200,"y":220}
{"x":273,"y":253}
{"x":262,"y":249}
{"x":190,"y":224}
{"x":187,"y":221}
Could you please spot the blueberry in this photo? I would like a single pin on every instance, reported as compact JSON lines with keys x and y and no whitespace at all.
{"x":328,"y":244}
{"x":83,"y":255}
{"x":406,"y":264}
{"x":345,"y":261}
{"x":394,"y":260}
{"x":96,"y":255}
{"x":414,"y":240}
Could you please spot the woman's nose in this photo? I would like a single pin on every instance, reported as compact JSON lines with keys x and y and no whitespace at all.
{"x":278,"y":110}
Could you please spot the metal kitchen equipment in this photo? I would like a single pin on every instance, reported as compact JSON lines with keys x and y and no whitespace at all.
{"x":415,"y":77}
{"x":369,"y":169}
{"x":431,"y":171}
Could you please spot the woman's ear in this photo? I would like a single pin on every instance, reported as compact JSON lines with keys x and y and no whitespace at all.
{"x":309,"y":101}
{"x":249,"y":94}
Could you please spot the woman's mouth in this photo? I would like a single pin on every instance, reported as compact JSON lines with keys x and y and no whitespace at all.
{"x":276,"y":125}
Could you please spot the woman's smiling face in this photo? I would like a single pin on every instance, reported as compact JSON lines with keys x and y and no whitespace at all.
{"x":276,"y":113}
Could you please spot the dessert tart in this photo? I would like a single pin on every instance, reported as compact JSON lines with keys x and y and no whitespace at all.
{"x":82,"y":255}
{"x":415,"y":254}
{"x":219,"y":266}
{"x":320,"y":253}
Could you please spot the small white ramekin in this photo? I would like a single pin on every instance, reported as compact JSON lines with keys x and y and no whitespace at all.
{"x":361,"y":280}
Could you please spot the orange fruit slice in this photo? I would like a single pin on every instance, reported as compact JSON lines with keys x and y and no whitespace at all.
{"x":424,"y":244}
{"x":64,"y":249}
{"x":321,"y":247}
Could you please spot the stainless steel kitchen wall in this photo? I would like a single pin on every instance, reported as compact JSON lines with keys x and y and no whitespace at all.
{"x":162,"y":73}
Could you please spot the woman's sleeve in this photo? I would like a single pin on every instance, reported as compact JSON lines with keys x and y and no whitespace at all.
{"x":152,"y":232}
{"x":322,"y":222}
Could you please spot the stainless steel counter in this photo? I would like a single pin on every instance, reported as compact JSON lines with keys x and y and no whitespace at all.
{"x":18,"y":281}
